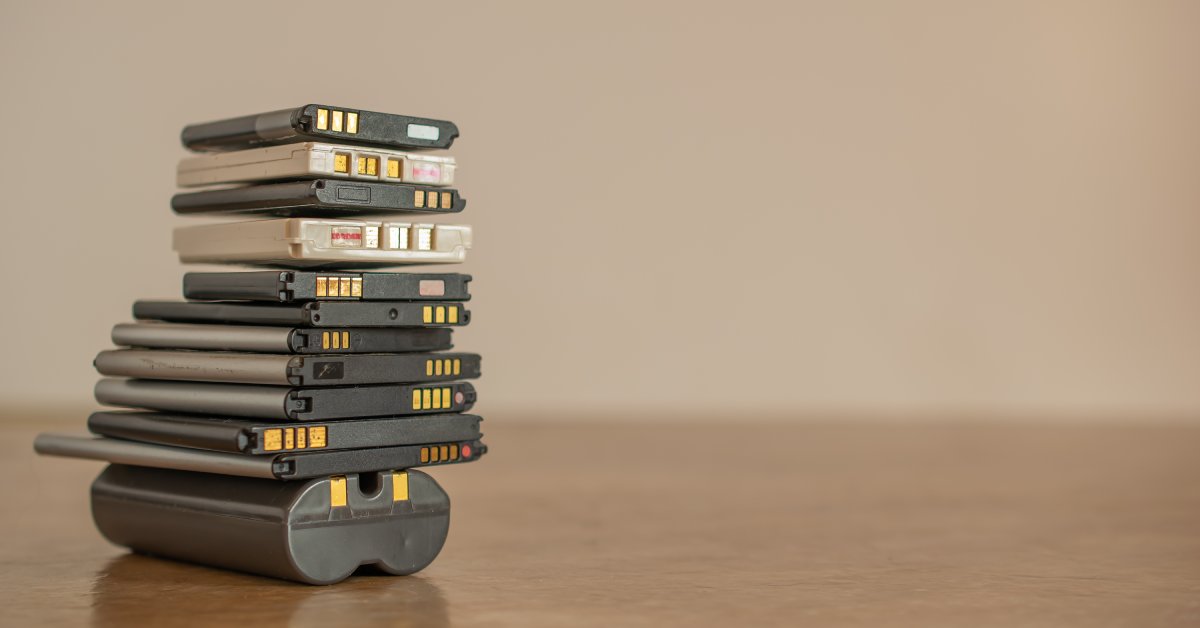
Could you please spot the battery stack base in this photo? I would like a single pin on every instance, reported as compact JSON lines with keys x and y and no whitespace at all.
{"x":318,"y":532}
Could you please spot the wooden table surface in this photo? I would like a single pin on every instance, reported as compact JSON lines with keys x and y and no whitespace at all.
{"x":920,"y":524}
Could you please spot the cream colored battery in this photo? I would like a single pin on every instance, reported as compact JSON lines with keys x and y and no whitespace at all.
{"x":312,"y":243}
{"x":312,"y":160}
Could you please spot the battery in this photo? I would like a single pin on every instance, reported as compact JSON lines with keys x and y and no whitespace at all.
{"x":311,"y":314}
{"x":315,"y":160}
{"x":289,"y":286}
{"x":320,"y":122}
{"x":317,"y":532}
{"x":262,"y":339}
{"x":277,"y":466}
{"x":315,"y":243}
{"x":244,"y":436}
{"x":288,"y":370}
{"x":286,"y":403}
{"x":321,"y":198}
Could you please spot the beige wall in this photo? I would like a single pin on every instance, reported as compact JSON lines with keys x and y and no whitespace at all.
{"x":965,"y":208}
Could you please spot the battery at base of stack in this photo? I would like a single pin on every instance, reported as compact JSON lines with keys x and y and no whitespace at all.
{"x":282,"y":413}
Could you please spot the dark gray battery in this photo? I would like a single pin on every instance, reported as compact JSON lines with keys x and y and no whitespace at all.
{"x":288,"y":370}
{"x":263,"y":339}
{"x":321,"y":198}
{"x":321,"y":123}
{"x":287,"y":286}
{"x":310,"y":314}
{"x":286,"y":403}
{"x":259,"y":437}
{"x":317,"y":532}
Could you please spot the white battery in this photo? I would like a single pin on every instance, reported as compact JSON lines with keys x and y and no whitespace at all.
{"x":315,"y":160}
{"x":313,"y":243}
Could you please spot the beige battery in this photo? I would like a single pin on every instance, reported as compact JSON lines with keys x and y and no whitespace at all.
{"x":311,"y":243}
{"x":315,"y":159}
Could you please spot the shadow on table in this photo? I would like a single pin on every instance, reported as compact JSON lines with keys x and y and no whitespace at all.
{"x":134,"y":589}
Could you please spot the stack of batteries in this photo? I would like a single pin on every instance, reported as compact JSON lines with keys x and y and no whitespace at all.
{"x":283,"y":411}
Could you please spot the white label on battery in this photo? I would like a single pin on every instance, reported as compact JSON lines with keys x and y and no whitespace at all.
{"x":424,"y":132}
{"x":346,"y":237}
{"x":371,"y":238}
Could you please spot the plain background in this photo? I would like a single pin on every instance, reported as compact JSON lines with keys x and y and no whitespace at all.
{"x":794,"y":209}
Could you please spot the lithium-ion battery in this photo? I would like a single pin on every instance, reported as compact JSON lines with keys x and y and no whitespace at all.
{"x":314,"y":160}
{"x":280,"y":466}
{"x":314,"y":243}
{"x":263,"y":339}
{"x":288,"y":370}
{"x":321,"y":198}
{"x":320,"y":122}
{"x":317,"y":531}
{"x":290,"y":285}
{"x":286,"y":403}
{"x":310,"y":314}
{"x":245,"y":436}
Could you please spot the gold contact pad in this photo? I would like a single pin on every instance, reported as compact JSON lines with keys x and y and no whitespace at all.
{"x":332,"y":120}
{"x":368,"y":166}
{"x":335,"y":340}
{"x":339,"y":287}
{"x":419,"y":199}
{"x":337,"y":491}
{"x":400,"y":486}
{"x":439,"y":453}
{"x":341,"y":163}
{"x":432,"y":399}
{"x":446,"y":204}
{"x":291,"y":438}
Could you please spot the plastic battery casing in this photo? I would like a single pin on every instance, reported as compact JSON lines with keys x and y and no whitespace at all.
{"x":246,"y":436}
{"x":320,"y":122}
{"x":290,"y":286}
{"x":316,"y":532}
{"x":320,"y":198}
{"x":325,"y":314}
{"x":314,"y":243}
{"x":314,"y":160}
{"x":287,"y":370}
{"x":263,"y":339}
{"x":290,"y":465}
{"x":286,"y":403}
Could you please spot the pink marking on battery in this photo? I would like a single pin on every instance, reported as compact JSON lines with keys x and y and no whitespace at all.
{"x":427,"y":172}
{"x":432,"y":288}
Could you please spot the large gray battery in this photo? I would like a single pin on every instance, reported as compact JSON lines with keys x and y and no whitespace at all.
{"x":317,"y":532}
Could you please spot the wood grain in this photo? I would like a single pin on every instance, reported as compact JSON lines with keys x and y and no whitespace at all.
{"x":714,"y":524}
